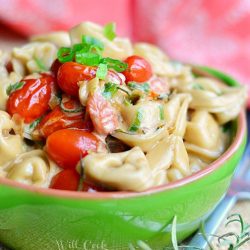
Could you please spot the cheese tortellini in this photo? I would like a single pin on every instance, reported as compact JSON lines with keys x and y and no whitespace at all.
{"x":164,"y":128}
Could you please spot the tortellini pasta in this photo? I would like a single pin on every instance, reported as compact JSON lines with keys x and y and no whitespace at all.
{"x":123,"y":171}
{"x":141,"y":132}
{"x":10,"y":144}
{"x":119,"y":48}
{"x":32,"y":167}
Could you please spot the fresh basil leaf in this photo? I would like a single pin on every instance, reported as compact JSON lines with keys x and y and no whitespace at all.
{"x":109,"y":31}
{"x":110,"y":90}
{"x":92,"y":42}
{"x":161,"y":111}
{"x":13,"y":87}
{"x":143,"y":87}
{"x":137,"y":122}
{"x":102,"y":71}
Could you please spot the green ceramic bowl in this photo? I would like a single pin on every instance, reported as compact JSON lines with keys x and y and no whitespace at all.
{"x":40,"y":219}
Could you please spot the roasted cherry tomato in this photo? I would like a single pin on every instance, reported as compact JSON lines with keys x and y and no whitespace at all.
{"x":32,"y":100}
{"x":55,"y":67}
{"x":70,"y":73}
{"x":90,"y":187}
{"x":158,"y":87}
{"x":139,"y":70}
{"x":58,"y":119}
{"x":67,"y":146}
{"x":102,"y":114}
{"x":67,"y":179}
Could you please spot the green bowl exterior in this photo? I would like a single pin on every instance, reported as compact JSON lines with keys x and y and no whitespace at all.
{"x":30,"y":220}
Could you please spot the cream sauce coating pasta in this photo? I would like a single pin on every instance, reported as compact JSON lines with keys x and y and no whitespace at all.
{"x":162,"y":132}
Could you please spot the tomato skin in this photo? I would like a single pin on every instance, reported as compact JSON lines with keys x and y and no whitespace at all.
{"x":70,"y":73}
{"x":139,"y":70}
{"x":67,"y":179}
{"x":92,"y":188}
{"x":55,"y":67}
{"x":67,"y":146}
{"x":32,"y":100}
{"x":57,"y":119}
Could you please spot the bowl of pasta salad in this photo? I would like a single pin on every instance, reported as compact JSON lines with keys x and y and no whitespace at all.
{"x":105,"y":141}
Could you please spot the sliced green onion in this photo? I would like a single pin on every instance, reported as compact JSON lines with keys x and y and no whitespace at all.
{"x":87,"y":58}
{"x":161,"y":112}
{"x":92,"y":42}
{"x":40,"y":64}
{"x":110,"y":90}
{"x":143,"y":87}
{"x":117,"y":65}
{"x":76,"y":109}
{"x":137,"y":122}
{"x":65,"y":55}
{"x":13,"y":87}
{"x":102,"y":71}
{"x":109,"y":31}
{"x":34,"y":124}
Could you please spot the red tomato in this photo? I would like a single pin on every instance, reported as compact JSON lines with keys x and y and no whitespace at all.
{"x":67,"y":179}
{"x":32,"y":100}
{"x":139,"y":70}
{"x":55,"y":67}
{"x":158,"y":87}
{"x":102,"y":114}
{"x":90,"y":187}
{"x":57,"y":119}
{"x":67,"y":146}
{"x":70,"y":73}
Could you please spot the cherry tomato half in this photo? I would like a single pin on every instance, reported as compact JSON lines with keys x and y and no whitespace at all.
{"x":32,"y":100}
{"x":67,"y":146}
{"x":58,"y":119}
{"x":55,"y":67}
{"x":139,"y":70}
{"x":70,"y":73}
{"x":67,"y":179}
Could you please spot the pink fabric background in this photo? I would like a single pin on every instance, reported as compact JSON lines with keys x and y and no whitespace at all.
{"x":211,"y":32}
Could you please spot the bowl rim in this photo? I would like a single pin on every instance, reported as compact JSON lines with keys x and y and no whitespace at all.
{"x":238,"y":139}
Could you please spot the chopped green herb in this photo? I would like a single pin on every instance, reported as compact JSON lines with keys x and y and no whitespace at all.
{"x":87,"y":58}
{"x":143,"y":87}
{"x":65,"y":54}
{"x":110,"y":90}
{"x":102,"y":71}
{"x":109,"y":31}
{"x":127,"y":102}
{"x":13,"y":87}
{"x":34,"y":124}
{"x":40,"y":64}
{"x":197,"y":86}
{"x":226,"y":127}
{"x":92,"y":43}
{"x":137,"y":122}
{"x":161,"y":112}
{"x":117,"y":65}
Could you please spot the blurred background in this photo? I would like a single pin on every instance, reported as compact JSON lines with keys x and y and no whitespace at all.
{"x":211,"y":32}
